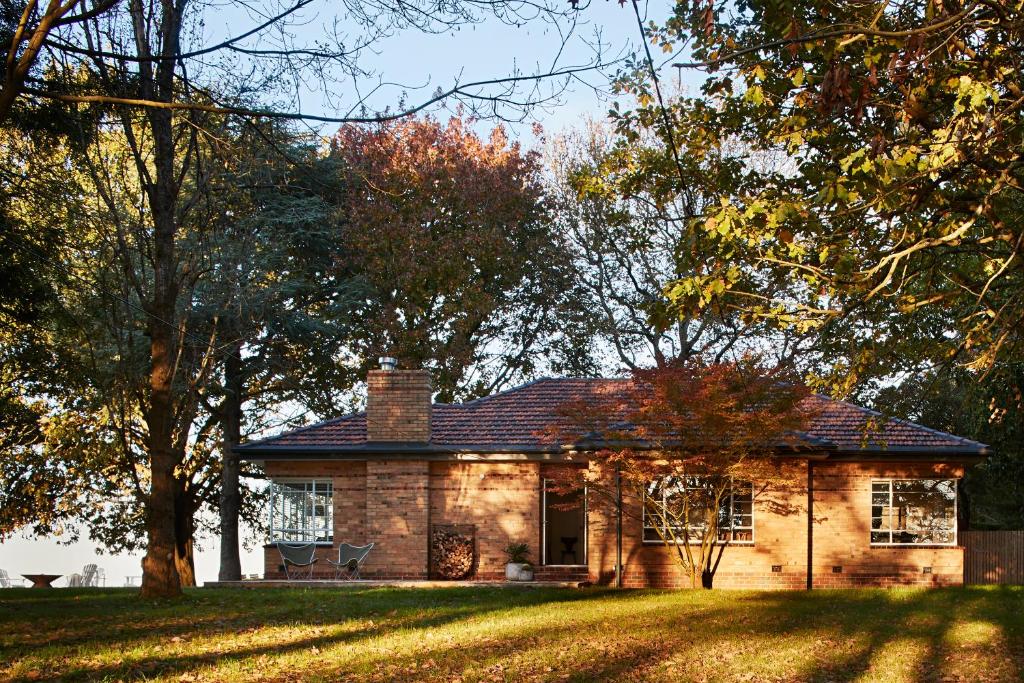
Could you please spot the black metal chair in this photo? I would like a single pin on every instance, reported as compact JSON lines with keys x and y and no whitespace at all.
{"x":301,"y":556}
{"x":350,"y":560}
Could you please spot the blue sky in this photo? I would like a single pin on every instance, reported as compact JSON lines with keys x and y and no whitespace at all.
{"x":486,"y":50}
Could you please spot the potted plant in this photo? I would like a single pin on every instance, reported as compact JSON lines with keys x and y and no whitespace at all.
{"x":518,"y":567}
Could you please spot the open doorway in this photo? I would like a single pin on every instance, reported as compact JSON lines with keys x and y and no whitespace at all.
{"x":564,"y":528}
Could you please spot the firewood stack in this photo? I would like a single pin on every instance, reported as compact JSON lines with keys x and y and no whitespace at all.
{"x":452,"y":552}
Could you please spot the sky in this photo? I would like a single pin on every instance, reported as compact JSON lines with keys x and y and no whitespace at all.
{"x":487,"y":50}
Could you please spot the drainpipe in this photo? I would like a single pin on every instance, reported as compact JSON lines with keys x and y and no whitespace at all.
{"x":618,"y":525}
{"x":810,"y":524}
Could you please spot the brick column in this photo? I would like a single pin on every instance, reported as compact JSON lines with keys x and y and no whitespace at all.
{"x":397,"y":518}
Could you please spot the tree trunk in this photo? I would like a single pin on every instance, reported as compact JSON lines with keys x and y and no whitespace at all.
{"x":159,"y":572}
{"x":184,"y":533}
{"x":159,"y":575}
{"x":230,"y":493}
{"x":707,"y":579}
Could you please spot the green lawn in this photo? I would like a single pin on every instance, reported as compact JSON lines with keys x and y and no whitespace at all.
{"x":513,"y":634}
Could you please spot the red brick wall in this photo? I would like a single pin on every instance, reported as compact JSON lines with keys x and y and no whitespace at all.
{"x":842,"y":520}
{"x":349,"y":480}
{"x":398,"y":405}
{"x":394,"y":503}
{"x":780,"y":538}
{"x":502,"y":501}
{"x":842,"y":524}
{"x":397,"y":518}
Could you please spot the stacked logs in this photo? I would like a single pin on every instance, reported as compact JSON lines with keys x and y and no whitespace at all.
{"x":452,"y":552}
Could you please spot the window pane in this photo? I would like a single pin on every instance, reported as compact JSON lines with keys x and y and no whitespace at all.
{"x":301,"y":511}
{"x":675,"y":503}
{"x":880,"y":537}
{"x":918,"y":511}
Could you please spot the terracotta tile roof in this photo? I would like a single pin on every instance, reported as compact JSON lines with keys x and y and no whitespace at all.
{"x":518,"y":418}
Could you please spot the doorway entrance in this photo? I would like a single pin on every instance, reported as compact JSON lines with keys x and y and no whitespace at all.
{"x":563,"y":528}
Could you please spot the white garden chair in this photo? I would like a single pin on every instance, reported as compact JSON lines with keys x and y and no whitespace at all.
{"x":7,"y":582}
{"x":90,"y":576}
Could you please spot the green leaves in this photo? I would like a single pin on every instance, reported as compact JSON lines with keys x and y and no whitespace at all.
{"x":902,"y":176}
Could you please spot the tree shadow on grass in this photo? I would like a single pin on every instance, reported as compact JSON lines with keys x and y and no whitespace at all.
{"x":851,"y":629}
{"x":602,"y":635}
{"x":138,"y":623}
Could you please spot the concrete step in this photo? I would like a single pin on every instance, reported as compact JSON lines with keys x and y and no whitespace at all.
{"x":561,"y":573}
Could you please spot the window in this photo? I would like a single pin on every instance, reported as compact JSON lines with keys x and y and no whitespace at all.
{"x":664,"y":509}
{"x":301,"y":511}
{"x":913,"y":512}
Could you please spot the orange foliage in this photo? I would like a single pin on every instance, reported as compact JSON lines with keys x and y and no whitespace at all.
{"x":446,"y":232}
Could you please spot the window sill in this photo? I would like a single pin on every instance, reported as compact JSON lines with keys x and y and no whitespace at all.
{"x":747,"y":544}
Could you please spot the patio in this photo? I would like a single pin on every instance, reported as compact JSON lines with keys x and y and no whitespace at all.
{"x":386,"y":583}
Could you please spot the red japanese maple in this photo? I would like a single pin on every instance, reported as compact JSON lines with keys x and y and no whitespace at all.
{"x":686,"y":441}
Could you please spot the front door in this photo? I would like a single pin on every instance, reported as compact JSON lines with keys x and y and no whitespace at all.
{"x":563,"y":528}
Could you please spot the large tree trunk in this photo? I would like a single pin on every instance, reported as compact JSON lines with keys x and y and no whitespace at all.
{"x":230,"y":493}
{"x":159,"y":575}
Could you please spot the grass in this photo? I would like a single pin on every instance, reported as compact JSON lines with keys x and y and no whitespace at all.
{"x":510,"y":634}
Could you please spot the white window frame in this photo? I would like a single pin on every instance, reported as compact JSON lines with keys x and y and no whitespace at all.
{"x":732,"y":520}
{"x":274,"y":533}
{"x":890,"y":543}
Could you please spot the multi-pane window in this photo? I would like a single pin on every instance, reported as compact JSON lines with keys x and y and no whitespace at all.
{"x":301,"y":511}
{"x":913,"y":512}
{"x":670,"y":502}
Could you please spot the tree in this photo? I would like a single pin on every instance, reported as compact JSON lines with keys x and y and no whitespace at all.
{"x":283,"y":318}
{"x":904,"y":124}
{"x":35,"y":38}
{"x":625,"y":211}
{"x":148,"y":64}
{"x":680,"y":439}
{"x":449,"y":239}
{"x":256,"y":232}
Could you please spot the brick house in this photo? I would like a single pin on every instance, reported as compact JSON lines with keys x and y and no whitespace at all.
{"x":855,"y":507}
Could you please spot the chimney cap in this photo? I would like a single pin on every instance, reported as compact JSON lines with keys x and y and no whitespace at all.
{"x":387,"y":363}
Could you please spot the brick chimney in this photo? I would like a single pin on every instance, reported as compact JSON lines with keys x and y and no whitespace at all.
{"x":398,"y":404}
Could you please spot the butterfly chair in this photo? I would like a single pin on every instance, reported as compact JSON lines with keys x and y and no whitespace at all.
{"x":350,"y":560}
{"x":298,"y":559}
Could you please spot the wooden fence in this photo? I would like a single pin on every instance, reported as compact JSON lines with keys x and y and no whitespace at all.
{"x":993,"y":556}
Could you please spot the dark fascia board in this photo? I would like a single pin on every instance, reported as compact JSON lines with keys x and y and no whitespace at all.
{"x":262,"y":452}
{"x":907,"y":453}
{"x":389,"y":448}
{"x":449,"y":454}
{"x":422,"y":451}
{"x":471,"y":456}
